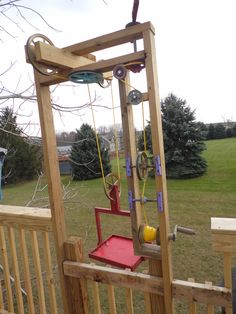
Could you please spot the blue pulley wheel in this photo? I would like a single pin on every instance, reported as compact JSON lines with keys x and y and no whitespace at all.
{"x":86,"y":77}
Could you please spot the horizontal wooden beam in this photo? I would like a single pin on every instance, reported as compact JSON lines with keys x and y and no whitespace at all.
{"x":32,"y":218}
{"x":99,"y":66}
{"x":116,"y":277}
{"x":110,"y":40}
{"x":61,"y":59}
{"x":189,"y":291}
{"x":109,"y":64}
{"x":149,"y":250}
{"x":201,"y":293}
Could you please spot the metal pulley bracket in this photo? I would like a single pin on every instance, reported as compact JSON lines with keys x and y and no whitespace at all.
{"x":134,"y":97}
{"x":30,"y":45}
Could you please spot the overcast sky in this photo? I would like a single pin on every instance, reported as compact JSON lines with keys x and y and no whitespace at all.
{"x":195,"y":46}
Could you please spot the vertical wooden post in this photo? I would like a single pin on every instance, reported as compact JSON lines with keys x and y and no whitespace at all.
{"x":210,"y":307}
{"x":76,"y":289}
{"x":53,"y":177}
{"x":192,"y":304}
{"x":129,"y":301}
{"x":96,"y":298}
{"x":111,"y":299}
{"x":130,"y":154}
{"x":228,"y":275}
{"x":158,"y":154}
{"x":224,"y":241}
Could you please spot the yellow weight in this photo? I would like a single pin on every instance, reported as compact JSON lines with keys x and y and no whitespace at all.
{"x":149,"y":233}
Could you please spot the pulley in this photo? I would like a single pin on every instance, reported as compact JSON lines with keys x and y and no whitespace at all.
{"x":120,"y":72}
{"x":110,"y":180}
{"x":86,"y":77}
{"x":30,"y":52}
{"x":142,"y":166}
{"x":135,"y":97}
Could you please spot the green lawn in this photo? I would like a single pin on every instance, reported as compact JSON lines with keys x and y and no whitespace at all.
{"x":191,"y":203}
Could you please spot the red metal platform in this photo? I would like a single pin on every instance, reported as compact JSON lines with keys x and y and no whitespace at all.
{"x":117,"y":251}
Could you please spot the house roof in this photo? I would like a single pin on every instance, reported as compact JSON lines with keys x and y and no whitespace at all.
{"x":3,"y":150}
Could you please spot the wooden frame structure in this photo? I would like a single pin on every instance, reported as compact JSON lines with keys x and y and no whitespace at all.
{"x":159,"y":283}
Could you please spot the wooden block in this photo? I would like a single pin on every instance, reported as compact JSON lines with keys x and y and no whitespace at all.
{"x":52,"y":56}
{"x":223,"y":234}
{"x":224,"y":243}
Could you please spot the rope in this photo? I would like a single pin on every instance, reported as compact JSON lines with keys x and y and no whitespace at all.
{"x":145,"y":180}
{"x":115,"y":133}
{"x":145,"y":150}
{"x":144,"y":133}
{"x":135,"y":10}
{"x":96,"y":136}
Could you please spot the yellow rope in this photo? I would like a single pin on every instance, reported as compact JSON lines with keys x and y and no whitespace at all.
{"x":96,"y":135}
{"x":115,"y":133}
{"x":124,"y":81}
{"x":144,"y":133}
{"x":145,"y":149}
{"x":145,"y":180}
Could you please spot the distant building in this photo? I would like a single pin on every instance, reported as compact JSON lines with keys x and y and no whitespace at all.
{"x":3,"y":150}
{"x":108,"y":141}
{"x":64,"y":159}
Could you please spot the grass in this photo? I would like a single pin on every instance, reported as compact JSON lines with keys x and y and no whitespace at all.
{"x":191,"y":203}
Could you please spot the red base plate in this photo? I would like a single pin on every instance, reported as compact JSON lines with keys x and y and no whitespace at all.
{"x":117,"y":251}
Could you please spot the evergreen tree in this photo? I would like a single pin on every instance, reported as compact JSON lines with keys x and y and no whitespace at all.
{"x":220,"y":131}
{"x":23,"y":161}
{"x":234,"y":130}
{"x":229,"y":132}
{"x":183,"y":139}
{"x":84,"y":155}
{"x":211,"y":132}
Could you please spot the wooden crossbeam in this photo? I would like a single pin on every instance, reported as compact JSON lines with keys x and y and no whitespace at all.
{"x":190,"y":291}
{"x":201,"y":293}
{"x":116,"y":277}
{"x":111,"y":40}
{"x":60,"y":58}
{"x":100,"y":66}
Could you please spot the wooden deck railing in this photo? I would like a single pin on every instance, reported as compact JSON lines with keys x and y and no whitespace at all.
{"x":193,"y":294}
{"x":27,"y":279}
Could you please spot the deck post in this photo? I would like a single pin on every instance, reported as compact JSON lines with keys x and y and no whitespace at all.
{"x":76,"y":288}
{"x":53,"y":177}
